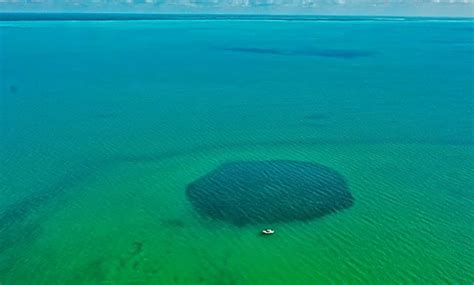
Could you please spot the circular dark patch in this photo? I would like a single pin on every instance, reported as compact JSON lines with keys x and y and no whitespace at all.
{"x":251,"y":192}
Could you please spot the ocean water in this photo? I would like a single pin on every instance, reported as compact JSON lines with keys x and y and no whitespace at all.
{"x":106,"y":124}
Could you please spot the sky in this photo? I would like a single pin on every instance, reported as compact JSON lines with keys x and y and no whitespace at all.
{"x":463,"y":8}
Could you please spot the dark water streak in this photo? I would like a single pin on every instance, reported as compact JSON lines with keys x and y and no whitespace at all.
{"x":328,"y":53}
{"x":317,"y":116}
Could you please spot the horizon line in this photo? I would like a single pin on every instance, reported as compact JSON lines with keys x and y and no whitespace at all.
{"x":220,"y":15}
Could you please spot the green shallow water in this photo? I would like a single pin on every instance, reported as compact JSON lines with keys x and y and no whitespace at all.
{"x":132,"y":224}
{"x":102,"y":136}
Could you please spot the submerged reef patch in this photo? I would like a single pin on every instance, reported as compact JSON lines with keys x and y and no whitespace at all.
{"x":13,"y":89}
{"x":252,"y":192}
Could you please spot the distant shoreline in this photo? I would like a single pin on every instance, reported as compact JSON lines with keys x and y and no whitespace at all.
{"x":57,"y":16}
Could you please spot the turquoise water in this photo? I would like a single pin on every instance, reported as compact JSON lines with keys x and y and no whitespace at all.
{"x":104,"y":124}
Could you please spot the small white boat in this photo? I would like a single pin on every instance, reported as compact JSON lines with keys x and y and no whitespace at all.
{"x":268,"y":231}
